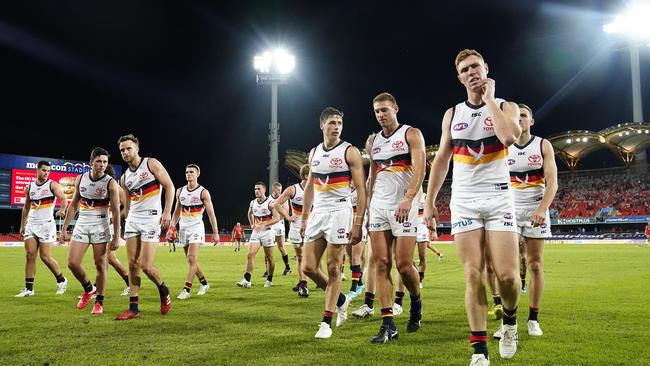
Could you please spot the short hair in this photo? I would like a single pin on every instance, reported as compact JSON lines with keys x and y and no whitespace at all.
{"x":329,"y":112}
{"x":129,"y":137}
{"x":198,"y":170}
{"x":110,"y":171}
{"x":385,"y":96}
{"x":465,"y":54}
{"x":304,"y":171}
{"x":98,"y":151}
{"x":277,"y":184}
{"x":261,"y":184}
{"x":41,"y":163}
{"x":522,"y":105}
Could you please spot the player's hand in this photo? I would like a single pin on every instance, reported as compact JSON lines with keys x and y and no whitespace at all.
{"x":355,"y":234}
{"x":430,"y":216}
{"x":293,"y":218}
{"x":115,"y":243}
{"x":165,"y":219}
{"x":60,"y":213}
{"x":62,"y":236}
{"x":403,"y":209}
{"x":538,"y":217}
{"x":487,"y":90}
{"x":22,"y":231}
{"x":215,"y":239}
{"x":433,"y":235}
{"x":259,"y":227}
{"x":303,"y":226}
{"x":169,"y":232}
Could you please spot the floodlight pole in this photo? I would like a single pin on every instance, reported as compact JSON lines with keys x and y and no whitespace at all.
{"x":637,"y":104}
{"x":640,"y":157}
{"x":274,"y":137}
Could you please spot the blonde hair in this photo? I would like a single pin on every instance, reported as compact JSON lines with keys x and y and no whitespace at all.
{"x":385,"y":96}
{"x":465,"y":54}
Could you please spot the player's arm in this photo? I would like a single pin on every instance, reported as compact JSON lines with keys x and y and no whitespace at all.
{"x":74,"y":206}
{"x":438,"y":172}
{"x":58,"y":193}
{"x":162,"y":176}
{"x":416,"y":144}
{"x":209,"y":208}
{"x":177,"y":209}
{"x":550,"y":176}
{"x":284,"y":197}
{"x":276,"y":215}
{"x":115,"y":194}
{"x":307,"y":197}
{"x":506,"y":119}
{"x":372,"y":174}
{"x":251,"y":218}
{"x":25,"y":212}
{"x":353,"y":157}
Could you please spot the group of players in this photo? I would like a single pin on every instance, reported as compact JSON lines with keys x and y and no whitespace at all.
{"x":504,"y":180}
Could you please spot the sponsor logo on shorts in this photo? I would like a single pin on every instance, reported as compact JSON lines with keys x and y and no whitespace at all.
{"x":542,"y":231}
{"x":460,"y":126}
{"x":102,"y":234}
{"x":406,"y":224}
{"x":507,"y":216}
{"x":375,"y":226}
{"x":462,"y":223}
{"x":542,"y":226}
{"x":78,"y":237}
{"x":151,"y":232}
{"x":340,"y":231}
{"x":508,"y":223}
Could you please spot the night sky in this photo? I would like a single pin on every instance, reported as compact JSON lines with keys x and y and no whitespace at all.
{"x":179,"y":75}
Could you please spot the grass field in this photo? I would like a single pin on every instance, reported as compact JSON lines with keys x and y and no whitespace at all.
{"x":594,"y":312}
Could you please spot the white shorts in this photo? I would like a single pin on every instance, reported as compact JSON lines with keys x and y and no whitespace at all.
{"x":526,"y":229}
{"x":294,"y":236}
{"x":423,"y":234}
{"x":382,"y":219}
{"x":264,"y":237}
{"x":92,"y":233}
{"x":44,"y":232}
{"x":492,"y":212}
{"x":147,"y":229}
{"x":278,"y":228}
{"x":334,"y":226}
{"x":194,"y":234}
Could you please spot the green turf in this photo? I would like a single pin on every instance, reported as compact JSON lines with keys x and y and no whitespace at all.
{"x":594,"y":312}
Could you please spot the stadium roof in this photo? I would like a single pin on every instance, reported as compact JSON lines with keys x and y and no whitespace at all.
{"x":625,"y":139}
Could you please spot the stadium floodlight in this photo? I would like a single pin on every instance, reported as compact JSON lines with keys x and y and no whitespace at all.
{"x":632,"y":24}
{"x":273,"y":68}
{"x":568,"y":141}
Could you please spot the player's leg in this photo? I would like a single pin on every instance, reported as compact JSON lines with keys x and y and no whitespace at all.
{"x":100,"y":257}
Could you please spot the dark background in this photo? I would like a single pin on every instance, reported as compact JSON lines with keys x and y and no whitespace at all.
{"x":179,"y":75}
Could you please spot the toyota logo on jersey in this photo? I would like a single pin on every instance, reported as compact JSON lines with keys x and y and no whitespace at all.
{"x":488,"y":121}
{"x":144,"y":175}
{"x":535,"y":158}
{"x":100,"y":191}
{"x":398,"y":144}
{"x":336,"y":161}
